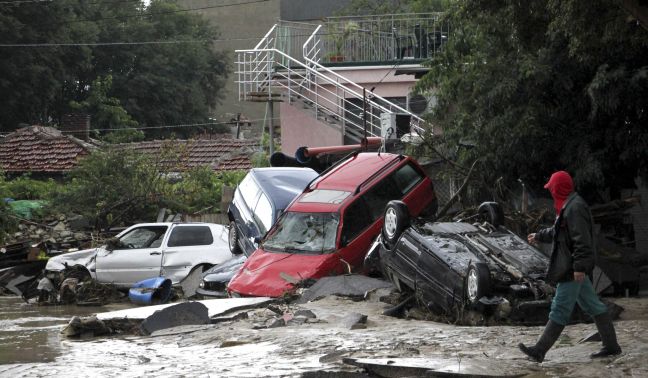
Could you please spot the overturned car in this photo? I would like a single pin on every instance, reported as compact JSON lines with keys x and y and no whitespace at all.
{"x":455,"y":266}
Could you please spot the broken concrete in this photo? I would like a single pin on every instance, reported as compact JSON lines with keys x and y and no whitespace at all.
{"x":187,"y":313}
{"x":215,"y":307}
{"x":351,"y":285}
{"x":436,"y":367}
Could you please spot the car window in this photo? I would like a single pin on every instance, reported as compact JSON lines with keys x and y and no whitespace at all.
{"x":377,"y":197}
{"x":143,"y":237}
{"x":263,"y":214}
{"x":184,"y":236}
{"x":304,"y":233}
{"x":249,"y":190}
{"x":356,"y":218}
{"x":406,"y":177}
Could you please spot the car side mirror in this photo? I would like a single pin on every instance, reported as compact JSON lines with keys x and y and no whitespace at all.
{"x":343,"y":241}
{"x":257,"y":239}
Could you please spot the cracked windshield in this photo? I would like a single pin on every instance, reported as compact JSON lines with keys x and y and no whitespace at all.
{"x":304,"y":233}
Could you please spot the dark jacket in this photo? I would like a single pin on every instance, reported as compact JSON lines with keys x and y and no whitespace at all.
{"x":572,"y":238}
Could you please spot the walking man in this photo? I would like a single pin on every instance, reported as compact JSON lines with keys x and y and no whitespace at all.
{"x":572,"y":258}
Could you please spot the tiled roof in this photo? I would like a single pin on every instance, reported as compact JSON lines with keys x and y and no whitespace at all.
{"x":41,"y":149}
{"x":221,"y":155}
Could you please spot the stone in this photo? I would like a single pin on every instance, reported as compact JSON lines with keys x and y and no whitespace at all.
{"x":85,"y":327}
{"x":65,"y":234}
{"x":60,"y":226}
{"x":305,"y":313}
{"x":297,"y":320}
{"x":78,"y":223}
{"x":354,"y":320}
{"x":80,"y":236}
{"x":275,"y":323}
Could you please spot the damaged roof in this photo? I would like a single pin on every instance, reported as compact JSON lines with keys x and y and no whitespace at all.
{"x":41,"y":149}
{"x":220,"y":155}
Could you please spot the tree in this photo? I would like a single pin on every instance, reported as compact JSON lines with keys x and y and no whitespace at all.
{"x":163,"y":67}
{"x":115,"y":186}
{"x":544,"y":85}
{"x":107,"y":112}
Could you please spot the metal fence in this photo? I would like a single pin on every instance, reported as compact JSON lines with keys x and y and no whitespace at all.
{"x":379,"y":38}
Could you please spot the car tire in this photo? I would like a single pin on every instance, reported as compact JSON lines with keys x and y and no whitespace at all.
{"x":478,"y":283}
{"x":233,"y":239}
{"x":492,"y":213}
{"x":396,"y":220}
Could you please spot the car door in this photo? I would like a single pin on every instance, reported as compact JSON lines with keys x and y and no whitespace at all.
{"x":138,"y":257}
{"x":245,"y":200}
{"x":405,"y":259}
{"x":189,"y":245}
{"x":438,"y":281}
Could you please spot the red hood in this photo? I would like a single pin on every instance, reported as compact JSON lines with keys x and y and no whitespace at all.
{"x":263,"y":273}
{"x":560,"y":185}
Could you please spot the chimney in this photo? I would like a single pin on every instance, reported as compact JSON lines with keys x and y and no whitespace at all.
{"x":77,"y":125}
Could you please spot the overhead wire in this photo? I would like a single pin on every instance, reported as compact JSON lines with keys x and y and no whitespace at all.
{"x":146,"y":14}
{"x":215,"y":40}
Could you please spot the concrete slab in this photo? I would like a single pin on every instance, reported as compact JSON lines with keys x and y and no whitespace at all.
{"x":215,"y":307}
{"x":185,"y":313}
{"x":431,"y":367}
{"x":350,"y":285}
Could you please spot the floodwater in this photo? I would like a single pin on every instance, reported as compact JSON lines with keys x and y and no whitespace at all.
{"x":30,"y":346}
{"x":30,"y":333}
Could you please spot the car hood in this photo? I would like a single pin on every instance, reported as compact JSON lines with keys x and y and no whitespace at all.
{"x":84,"y":257}
{"x":223,"y":272}
{"x":272,"y":274}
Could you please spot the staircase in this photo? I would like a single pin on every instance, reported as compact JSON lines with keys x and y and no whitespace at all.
{"x":268,"y":73}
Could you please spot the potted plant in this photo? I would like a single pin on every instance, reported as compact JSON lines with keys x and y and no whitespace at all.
{"x":339,"y":40}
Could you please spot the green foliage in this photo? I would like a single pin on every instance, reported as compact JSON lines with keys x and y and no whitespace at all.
{"x":7,"y":222}
{"x":114,"y":186}
{"x":123,"y":136}
{"x":201,"y":189}
{"x":156,"y":84}
{"x":26,"y":188}
{"x":544,"y":85}
{"x":107,"y":112}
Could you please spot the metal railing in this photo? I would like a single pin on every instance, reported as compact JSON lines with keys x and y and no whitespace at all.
{"x":312,"y":50}
{"x":364,"y":39}
{"x":268,"y":71}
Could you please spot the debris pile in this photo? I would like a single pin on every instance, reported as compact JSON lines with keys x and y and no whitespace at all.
{"x":61,"y":233}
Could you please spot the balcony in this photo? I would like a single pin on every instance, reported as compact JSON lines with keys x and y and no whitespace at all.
{"x":369,"y":40}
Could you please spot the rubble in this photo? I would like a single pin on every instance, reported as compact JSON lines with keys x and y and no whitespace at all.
{"x":187,"y":313}
{"x":60,"y":233}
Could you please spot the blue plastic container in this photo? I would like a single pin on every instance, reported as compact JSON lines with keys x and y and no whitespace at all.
{"x":156,"y":290}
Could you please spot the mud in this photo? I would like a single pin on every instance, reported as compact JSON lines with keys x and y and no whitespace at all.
{"x":236,"y":349}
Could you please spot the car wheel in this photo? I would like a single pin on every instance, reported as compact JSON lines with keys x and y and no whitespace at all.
{"x":233,"y":239}
{"x":477,"y":282}
{"x":396,"y":220}
{"x":492,"y":213}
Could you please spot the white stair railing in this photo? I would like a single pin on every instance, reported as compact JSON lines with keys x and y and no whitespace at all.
{"x":267,"y":71}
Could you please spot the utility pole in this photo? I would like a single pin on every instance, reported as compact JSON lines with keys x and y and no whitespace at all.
{"x":238,"y":125}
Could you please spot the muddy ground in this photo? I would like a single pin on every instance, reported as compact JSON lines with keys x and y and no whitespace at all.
{"x":237,"y":349}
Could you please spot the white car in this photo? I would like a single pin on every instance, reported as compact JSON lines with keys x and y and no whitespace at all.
{"x":146,"y":250}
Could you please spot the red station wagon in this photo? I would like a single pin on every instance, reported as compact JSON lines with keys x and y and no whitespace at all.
{"x":329,"y":228}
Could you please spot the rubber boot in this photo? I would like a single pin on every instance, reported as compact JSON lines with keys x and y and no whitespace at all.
{"x":608,"y":336}
{"x":549,"y":336}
